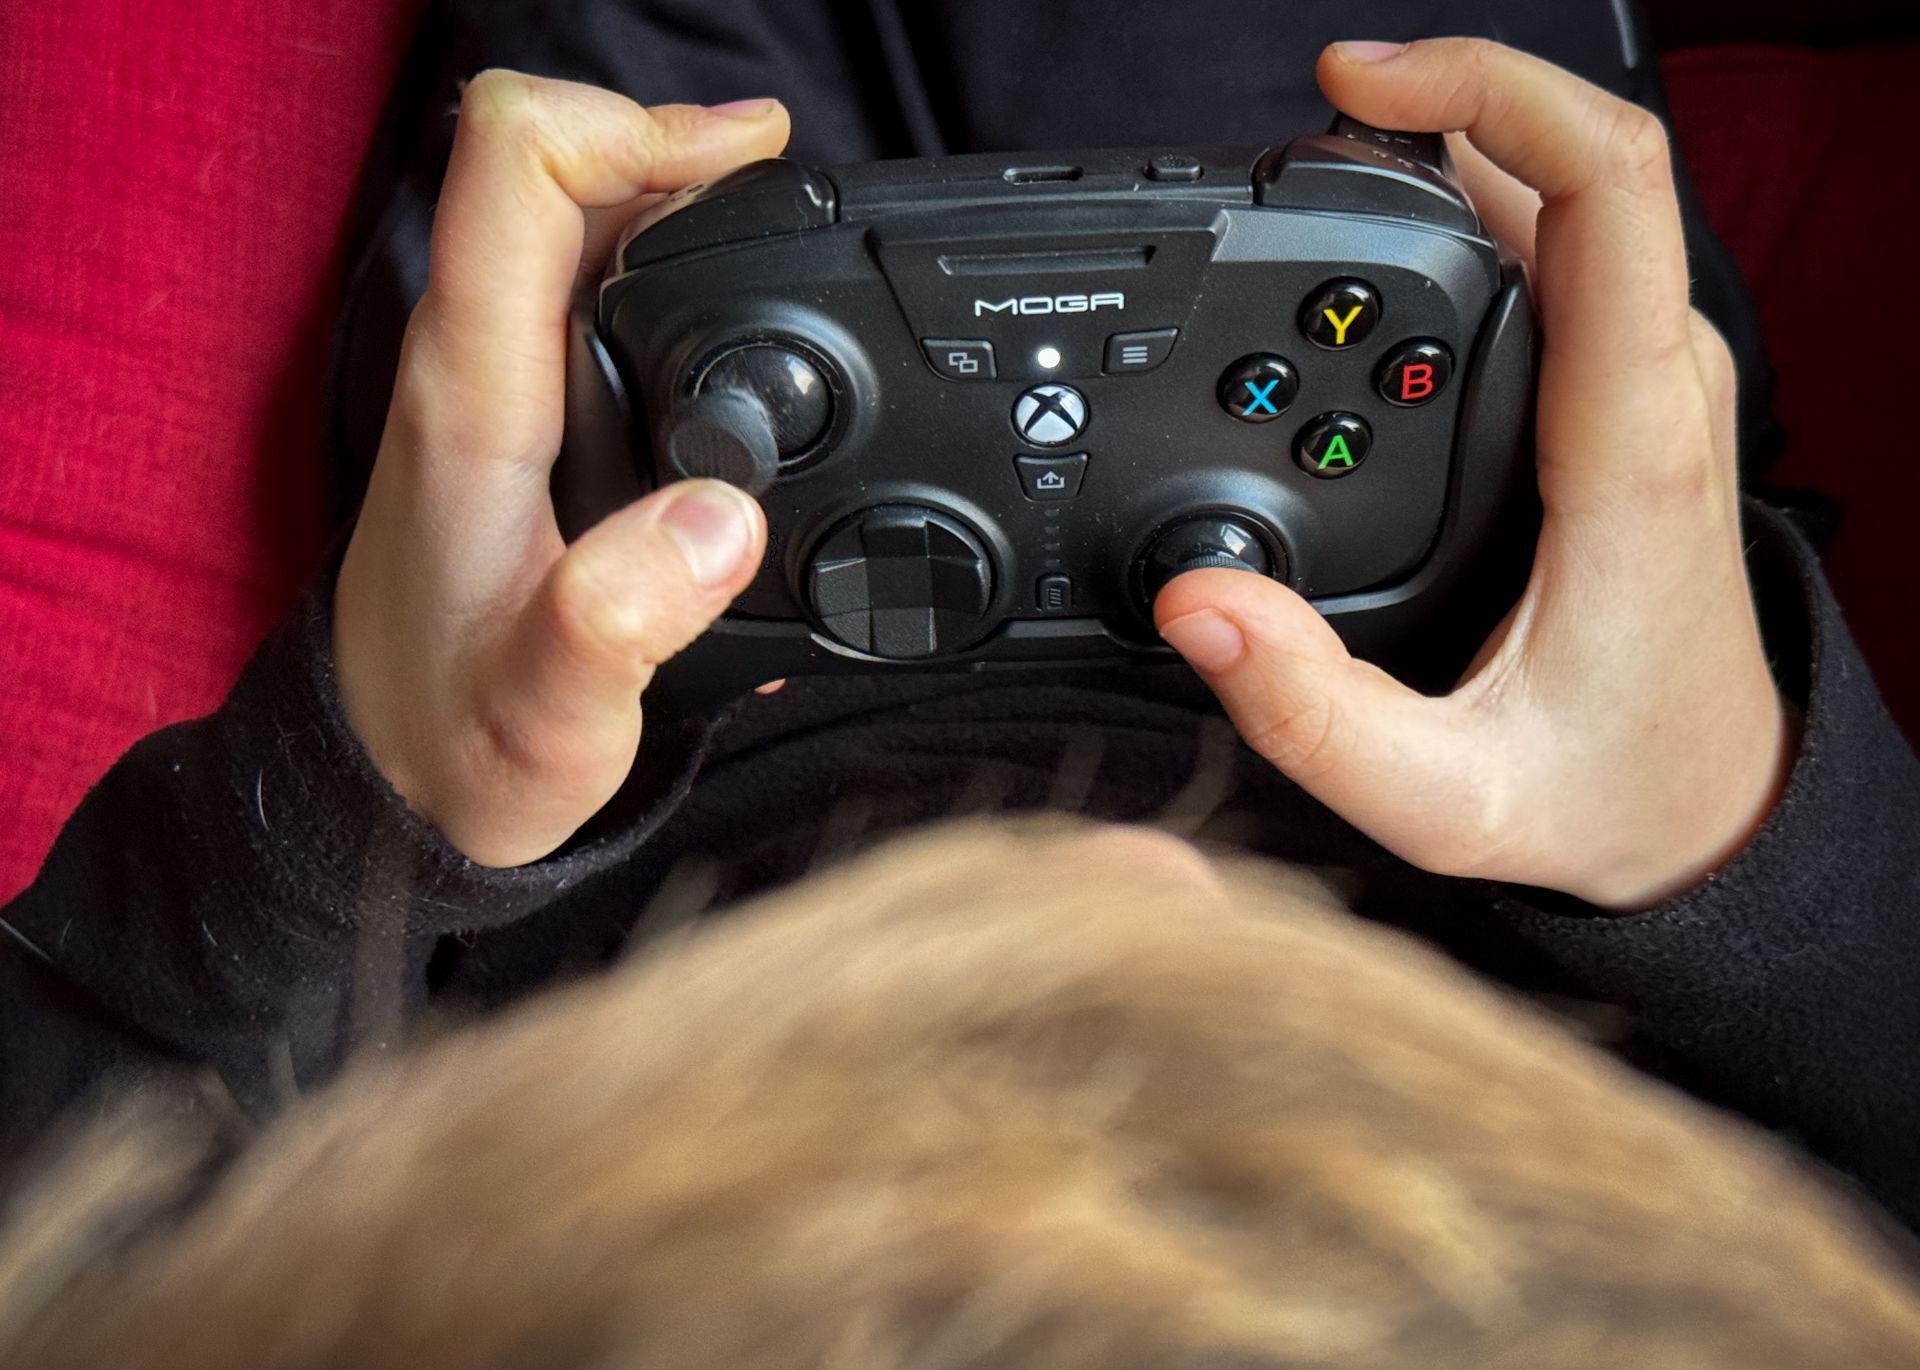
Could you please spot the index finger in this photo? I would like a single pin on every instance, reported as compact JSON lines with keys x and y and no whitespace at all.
{"x":1611,"y":281}
{"x":530,"y":157}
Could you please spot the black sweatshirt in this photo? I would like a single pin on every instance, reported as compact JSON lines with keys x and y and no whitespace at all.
{"x":244,"y":897}
{"x":246,"y":892}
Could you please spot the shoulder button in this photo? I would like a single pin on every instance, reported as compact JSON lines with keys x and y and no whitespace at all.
{"x":1365,"y":173}
{"x":757,"y":201}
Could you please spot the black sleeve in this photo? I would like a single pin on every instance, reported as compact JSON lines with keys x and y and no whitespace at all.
{"x":247,"y":893}
{"x":1787,"y":987}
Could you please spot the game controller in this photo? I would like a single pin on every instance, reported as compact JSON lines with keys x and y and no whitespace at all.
{"x":992,"y":404}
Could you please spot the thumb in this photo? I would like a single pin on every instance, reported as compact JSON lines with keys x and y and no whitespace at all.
{"x":633,"y":591}
{"x":1400,"y":766}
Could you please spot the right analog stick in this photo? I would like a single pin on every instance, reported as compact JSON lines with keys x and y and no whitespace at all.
{"x":1205,"y":540}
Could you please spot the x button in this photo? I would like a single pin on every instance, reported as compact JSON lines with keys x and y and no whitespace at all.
{"x":1259,"y":388}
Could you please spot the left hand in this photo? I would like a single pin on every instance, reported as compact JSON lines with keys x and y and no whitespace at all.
{"x":494,"y":672}
{"x":1620,"y":737}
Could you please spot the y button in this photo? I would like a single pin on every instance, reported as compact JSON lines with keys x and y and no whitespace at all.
{"x":1340,"y":314}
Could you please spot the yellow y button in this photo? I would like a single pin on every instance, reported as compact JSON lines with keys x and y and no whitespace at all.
{"x":1340,"y":314}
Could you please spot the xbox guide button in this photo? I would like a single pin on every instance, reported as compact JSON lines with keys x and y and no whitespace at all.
{"x":1049,"y":415}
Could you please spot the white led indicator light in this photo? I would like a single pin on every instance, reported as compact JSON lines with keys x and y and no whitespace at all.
{"x":1048,"y":358}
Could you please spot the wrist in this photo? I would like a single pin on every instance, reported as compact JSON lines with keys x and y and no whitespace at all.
{"x":1709,"y":835}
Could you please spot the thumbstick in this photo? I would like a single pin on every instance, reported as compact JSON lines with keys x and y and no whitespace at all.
{"x":721,"y":435}
{"x":1207,"y":540}
{"x":753,"y":408}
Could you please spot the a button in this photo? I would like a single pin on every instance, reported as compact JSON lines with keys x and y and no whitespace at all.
{"x":1175,"y":166}
{"x":1415,"y":372}
{"x":1051,"y":478}
{"x":1259,"y":389}
{"x":959,"y":359}
{"x":1340,"y":313}
{"x":1132,"y":352}
{"x":1049,"y":415}
{"x":1054,"y":594}
{"x":1333,"y":445}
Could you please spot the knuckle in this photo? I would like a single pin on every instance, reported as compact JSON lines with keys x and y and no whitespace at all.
{"x":1630,"y":142}
{"x":1680,"y":486}
{"x":498,"y":99}
{"x":1463,"y":77}
{"x":586,"y":619}
{"x":1482,"y":55}
{"x":503,"y":742}
{"x":1716,"y":358}
{"x":1476,"y":835}
{"x":1299,"y":737}
{"x":527,"y":119}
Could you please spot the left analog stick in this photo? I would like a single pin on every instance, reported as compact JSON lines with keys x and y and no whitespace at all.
{"x":791,"y":388}
{"x":755,"y":408}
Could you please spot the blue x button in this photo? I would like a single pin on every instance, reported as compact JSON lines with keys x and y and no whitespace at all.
{"x":1259,"y":388}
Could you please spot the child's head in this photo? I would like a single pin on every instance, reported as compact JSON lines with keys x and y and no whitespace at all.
{"x":1007,"y":1098}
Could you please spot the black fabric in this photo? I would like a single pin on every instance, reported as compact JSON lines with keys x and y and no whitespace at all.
{"x":246,"y":892}
{"x":885,"y":78}
{"x":244,"y":898}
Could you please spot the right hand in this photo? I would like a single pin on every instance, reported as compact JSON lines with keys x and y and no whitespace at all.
{"x":1620,"y":737}
{"x":492,"y":671}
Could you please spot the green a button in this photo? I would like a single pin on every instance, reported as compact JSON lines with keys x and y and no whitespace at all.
{"x":1333,"y":445}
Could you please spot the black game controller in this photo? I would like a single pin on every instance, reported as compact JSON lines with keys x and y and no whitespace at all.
{"x":992,"y":404}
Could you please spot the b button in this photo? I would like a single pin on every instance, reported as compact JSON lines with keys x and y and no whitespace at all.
{"x":1340,"y":314}
{"x":1333,"y":445}
{"x":1259,"y":389}
{"x":1415,"y":373}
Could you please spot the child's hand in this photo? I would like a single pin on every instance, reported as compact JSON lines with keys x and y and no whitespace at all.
{"x":493,"y":672}
{"x":1621,"y":736}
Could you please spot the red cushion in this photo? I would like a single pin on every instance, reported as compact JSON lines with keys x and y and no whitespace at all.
{"x":176,"y":179}
{"x":1802,"y":163}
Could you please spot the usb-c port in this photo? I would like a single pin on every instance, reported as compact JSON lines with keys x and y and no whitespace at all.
{"x":1034,"y":175}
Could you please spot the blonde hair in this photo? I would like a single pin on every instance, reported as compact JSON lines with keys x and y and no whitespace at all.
{"x":1010,"y":1097}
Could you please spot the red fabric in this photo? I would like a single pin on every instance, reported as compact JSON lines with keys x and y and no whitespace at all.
{"x":1802,"y":163}
{"x":175,"y":178}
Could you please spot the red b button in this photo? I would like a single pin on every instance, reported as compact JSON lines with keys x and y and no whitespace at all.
{"x":1415,"y":372}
